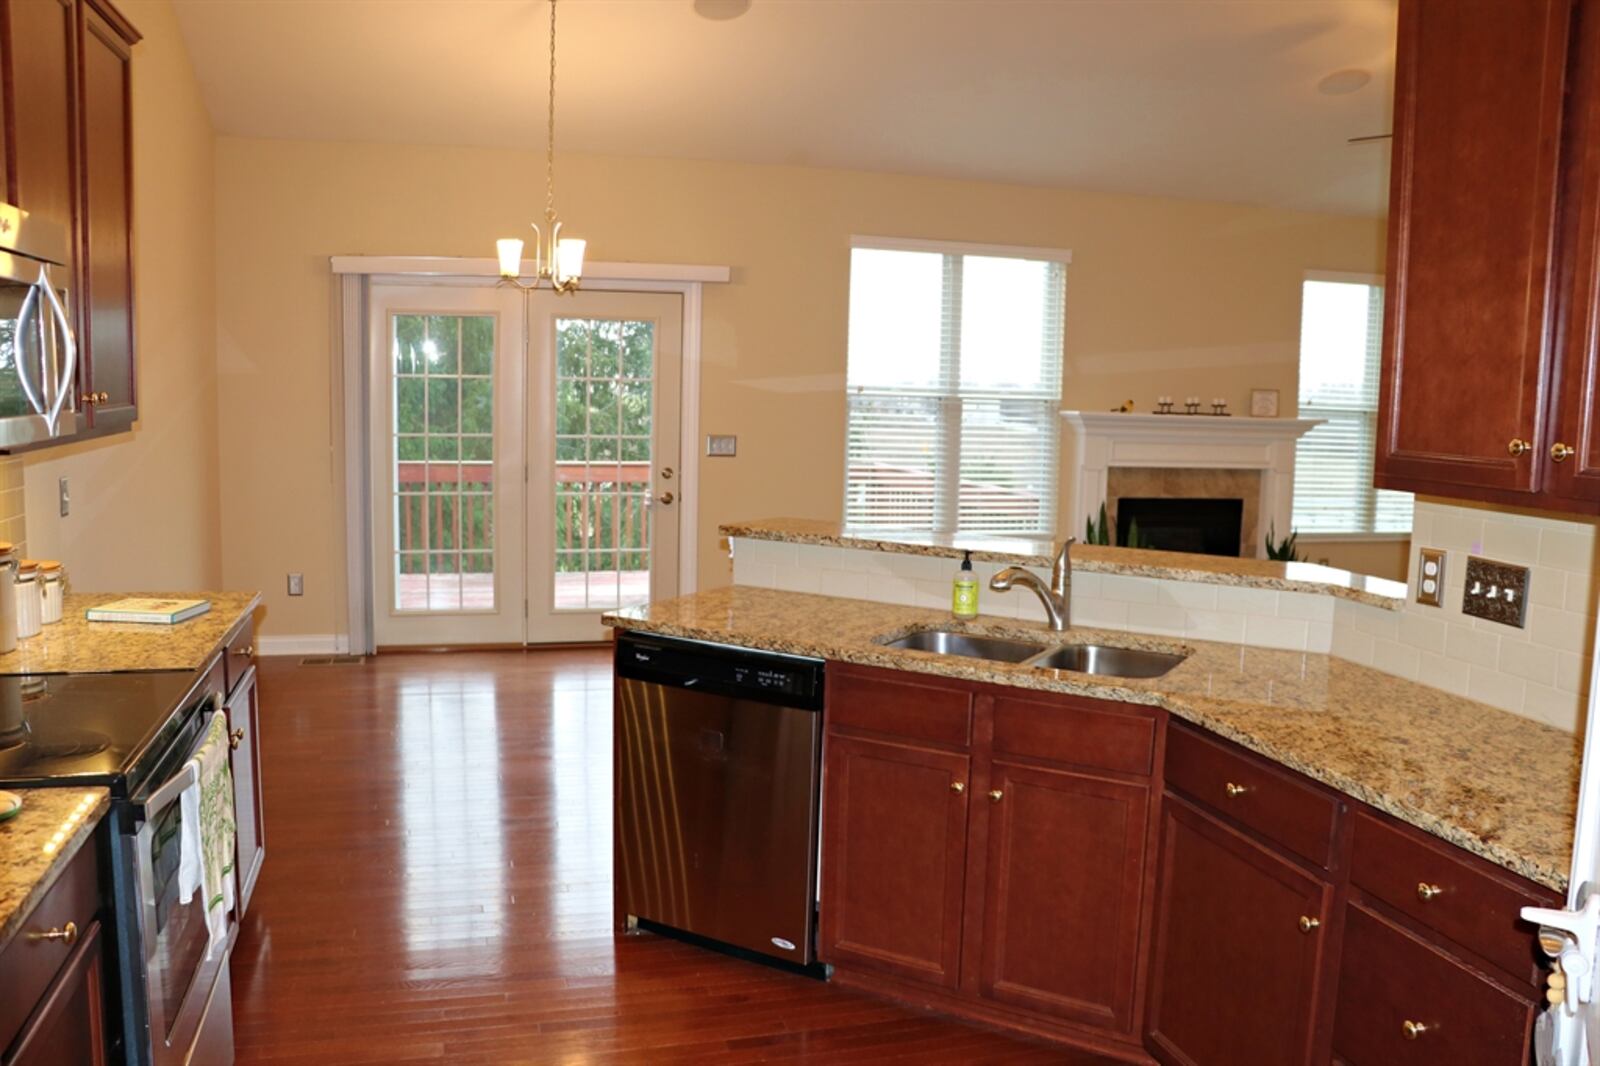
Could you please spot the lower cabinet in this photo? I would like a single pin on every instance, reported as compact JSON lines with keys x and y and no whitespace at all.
{"x":1240,"y":944}
{"x":1064,"y":878}
{"x":956,"y":870}
{"x":894,"y":858}
{"x":244,"y":726}
{"x":69,"y":1025}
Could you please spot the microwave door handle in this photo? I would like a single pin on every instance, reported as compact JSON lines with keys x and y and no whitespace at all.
{"x":30,"y":307}
{"x":69,"y":362}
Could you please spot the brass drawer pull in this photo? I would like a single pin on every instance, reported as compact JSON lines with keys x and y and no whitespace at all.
{"x":995,"y":795}
{"x":67,"y":934}
{"x":247,"y":651}
{"x":235,"y":738}
{"x":957,"y":787}
{"x":1427,"y":893}
{"x":1518,"y":447}
{"x":1562,"y":452}
{"x":1308,"y":923}
{"x":1235,"y":790}
{"x":1411,"y":1030}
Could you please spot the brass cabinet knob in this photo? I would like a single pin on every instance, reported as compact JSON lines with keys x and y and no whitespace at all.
{"x":104,"y":397}
{"x":995,"y":795}
{"x":88,"y":399}
{"x":67,"y":934}
{"x":957,"y":787}
{"x":1235,"y":790}
{"x":1562,"y":452}
{"x":246,"y":651}
{"x":1518,"y":446}
{"x":1427,"y":892}
{"x":1411,"y":1030}
{"x":1308,"y":923}
{"x":235,"y":738}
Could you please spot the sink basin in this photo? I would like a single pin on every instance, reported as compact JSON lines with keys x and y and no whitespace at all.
{"x":945,"y":642}
{"x":1108,"y":661}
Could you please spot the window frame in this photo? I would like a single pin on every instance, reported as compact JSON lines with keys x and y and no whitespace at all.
{"x":1344,"y":277}
{"x":946,"y":504}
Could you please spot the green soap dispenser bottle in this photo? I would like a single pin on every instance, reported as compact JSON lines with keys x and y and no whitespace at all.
{"x":964,"y":593}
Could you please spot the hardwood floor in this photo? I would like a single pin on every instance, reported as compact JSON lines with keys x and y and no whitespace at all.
{"x":437,"y":888}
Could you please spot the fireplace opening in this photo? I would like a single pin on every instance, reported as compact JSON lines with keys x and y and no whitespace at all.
{"x":1175,"y":524}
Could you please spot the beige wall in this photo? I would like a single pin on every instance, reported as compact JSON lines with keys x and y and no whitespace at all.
{"x":1163,"y":295}
{"x":144,"y":504}
{"x":1380,"y":558}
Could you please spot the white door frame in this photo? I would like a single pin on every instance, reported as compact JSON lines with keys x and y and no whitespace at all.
{"x":351,"y":387}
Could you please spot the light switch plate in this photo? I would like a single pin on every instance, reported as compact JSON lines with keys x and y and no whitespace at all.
{"x":1430,"y":578}
{"x":66,"y":497}
{"x":297,"y":584}
{"x":722,"y":444}
{"x":1496,"y":591}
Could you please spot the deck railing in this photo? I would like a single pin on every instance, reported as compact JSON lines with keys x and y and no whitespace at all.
{"x":601,"y":516}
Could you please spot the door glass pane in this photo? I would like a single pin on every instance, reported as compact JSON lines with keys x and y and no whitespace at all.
{"x":443,"y":456}
{"x":604,"y":398}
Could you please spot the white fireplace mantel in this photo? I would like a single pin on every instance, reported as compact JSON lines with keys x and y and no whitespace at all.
{"x":1104,"y":440}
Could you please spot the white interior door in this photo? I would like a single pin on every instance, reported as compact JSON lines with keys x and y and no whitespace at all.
{"x":447,"y":378}
{"x":604,"y":373}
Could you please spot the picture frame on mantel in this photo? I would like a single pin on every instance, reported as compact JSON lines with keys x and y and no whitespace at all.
{"x":1263,"y":403}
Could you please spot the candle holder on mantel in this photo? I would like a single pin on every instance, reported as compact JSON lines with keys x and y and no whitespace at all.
{"x":1191,"y":405}
{"x":1219,"y":407}
{"x":1163,"y":405}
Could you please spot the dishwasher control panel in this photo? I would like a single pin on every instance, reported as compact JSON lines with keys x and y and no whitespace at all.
{"x":742,"y":672}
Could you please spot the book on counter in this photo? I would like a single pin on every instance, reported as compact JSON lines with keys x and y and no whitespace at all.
{"x":154,"y":610}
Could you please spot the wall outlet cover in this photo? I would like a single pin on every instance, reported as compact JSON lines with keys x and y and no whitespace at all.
{"x":297,"y":584}
{"x":1496,"y":591}
{"x":722,"y":444}
{"x":1430,"y":577}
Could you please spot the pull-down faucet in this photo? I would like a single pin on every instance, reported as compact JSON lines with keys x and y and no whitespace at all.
{"x":1057,"y":598}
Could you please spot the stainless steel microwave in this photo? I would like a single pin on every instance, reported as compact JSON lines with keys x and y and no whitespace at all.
{"x":38,"y":352}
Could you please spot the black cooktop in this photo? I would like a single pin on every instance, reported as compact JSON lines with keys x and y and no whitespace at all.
{"x":88,"y":729}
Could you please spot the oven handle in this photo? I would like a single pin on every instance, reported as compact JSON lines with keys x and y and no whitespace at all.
{"x":186,"y":775}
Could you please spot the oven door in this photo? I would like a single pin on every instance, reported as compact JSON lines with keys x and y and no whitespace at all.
{"x":38,"y":354}
{"x":179,"y":977}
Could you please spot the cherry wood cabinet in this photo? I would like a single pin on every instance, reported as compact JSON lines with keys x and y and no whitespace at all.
{"x":1064,"y":874}
{"x":894,"y":858}
{"x":68,"y":1027}
{"x":244,"y":729}
{"x":40,"y":44}
{"x":1489,"y":354}
{"x":1240,"y":947}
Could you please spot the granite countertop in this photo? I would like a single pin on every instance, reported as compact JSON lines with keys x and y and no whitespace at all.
{"x":1089,"y":558}
{"x":37,"y":843}
{"x":76,"y":645}
{"x":1501,"y":786}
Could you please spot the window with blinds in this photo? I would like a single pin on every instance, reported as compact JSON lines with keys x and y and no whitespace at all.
{"x":954,"y":382}
{"x":1341,"y":341}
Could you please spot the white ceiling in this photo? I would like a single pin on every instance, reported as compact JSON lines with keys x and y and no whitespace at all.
{"x":1204,"y":99}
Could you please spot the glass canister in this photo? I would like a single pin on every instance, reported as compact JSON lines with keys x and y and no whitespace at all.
{"x":8,"y":597}
{"x":52,"y":587}
{"x":29,"y":606}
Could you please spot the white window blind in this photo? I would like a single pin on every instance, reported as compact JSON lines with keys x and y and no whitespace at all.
{"x":954,"y":381}
{"x":1341,"y":342}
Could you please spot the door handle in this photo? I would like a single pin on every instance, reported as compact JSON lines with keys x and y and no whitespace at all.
{"x":69,"y":365}
{"x":30,"y":307}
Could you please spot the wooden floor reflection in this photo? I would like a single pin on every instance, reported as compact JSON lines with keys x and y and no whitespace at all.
{"x":437,"y":889}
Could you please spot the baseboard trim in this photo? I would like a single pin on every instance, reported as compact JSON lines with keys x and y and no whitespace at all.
{"x":303,"y":644}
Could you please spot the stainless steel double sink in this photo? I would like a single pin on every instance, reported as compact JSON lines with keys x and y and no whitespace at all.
{"x":1101,"y":659}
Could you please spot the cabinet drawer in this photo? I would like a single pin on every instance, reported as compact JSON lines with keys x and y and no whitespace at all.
{"x":1244,"y":787}
{"x":240,"y":653}
{"x":1084,"y":732}
{"x":1471,"y":905}
{"x":880,"y":704}
{"x":28,"y":965}
{"x":1389,"y":978}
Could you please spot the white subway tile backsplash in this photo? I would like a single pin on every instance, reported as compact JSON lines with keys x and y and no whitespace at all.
{"x":758,"y":573}
{"x":1569,"y":548}
{"x":1308,"y":607}
{"x":1572,"y":672}
{"x":1160,"y":618}
{"x":1128,"y":589}
{"x":1531,"y":662}
{"x":1247,"y":601}
{"x":798,"y":578}
{"x":1267,"y":632}
{"x":891,"y":588}
{"x":1423,"y":632}
{"x":1561,"y":630}
{"x":1319,"y":637}
{"x":1352,"y":644}
{"x":1488,"y":685}
{"x":1216,"y":625}
{"x":1402,"y":660}
{"x":1188,"y":595}
{"x":832,"y":582}
{"x":1466,"y":645}
{"x":1105,"y":613}
{"x":1550,"y":706}
{"x":1506,"y":538}
{"x":1442,"y":673}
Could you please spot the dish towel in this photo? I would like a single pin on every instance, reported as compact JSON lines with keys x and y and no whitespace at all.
{"x":205,"y":851}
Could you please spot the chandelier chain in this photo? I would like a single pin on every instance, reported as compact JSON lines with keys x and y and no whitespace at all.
{"x":550,"y":136}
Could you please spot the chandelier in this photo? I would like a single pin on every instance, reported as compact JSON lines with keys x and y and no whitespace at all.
{"x":556,"y":259}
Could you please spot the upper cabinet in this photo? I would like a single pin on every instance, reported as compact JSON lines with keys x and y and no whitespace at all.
{"x":66,"y":146}
{"x":1488,"y":344}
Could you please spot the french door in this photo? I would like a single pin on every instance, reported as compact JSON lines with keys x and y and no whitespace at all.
{"x":524,"y":456}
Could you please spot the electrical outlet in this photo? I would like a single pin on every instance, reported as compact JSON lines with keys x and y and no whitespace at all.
{"x":297,"y":584}
{"x":1496,"y":591}
{"x":722,"y":444}
{"x":66,"y":497}
{"x":1430,"y":578}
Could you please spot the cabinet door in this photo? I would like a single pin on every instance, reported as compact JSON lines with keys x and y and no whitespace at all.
{"x":894,"y":850}
{"x":244,"y":731}
{"x":1065,"y":880}
{"x":39,"y":40}
{"x":1574,"y":449}
{"x":107,"y":198}
{"x":68,"y":1026}
{"x":1239,"y":950}
{"x":1468,"y":316}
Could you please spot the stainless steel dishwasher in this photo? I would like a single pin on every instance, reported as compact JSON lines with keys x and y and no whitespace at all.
{"x":717,"y":753}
